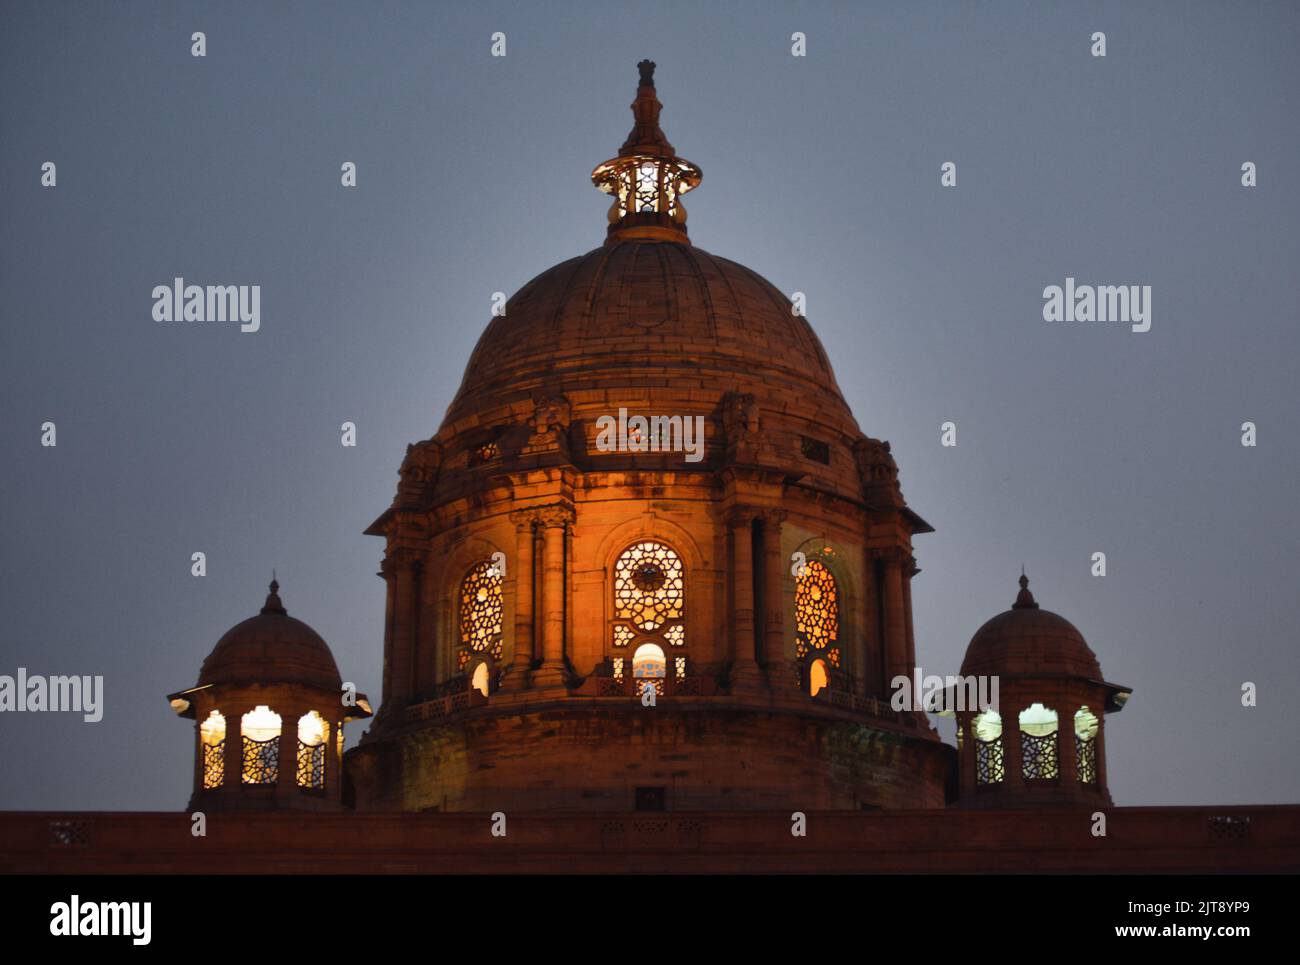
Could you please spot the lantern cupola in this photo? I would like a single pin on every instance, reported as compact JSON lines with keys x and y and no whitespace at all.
{"x":647,"y":179}
{"x":270,"y":708}
{"x":1044,"y":744}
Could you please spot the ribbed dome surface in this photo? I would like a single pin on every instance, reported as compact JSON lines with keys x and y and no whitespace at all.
{"x":647,"y":313}
{"x":1029,"y":640}
{"x":271,"y":647}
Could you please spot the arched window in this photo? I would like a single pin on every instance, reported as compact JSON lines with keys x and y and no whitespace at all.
{"x":648,"y":586}
{"x":212,"y":735}
{"x":260,"y":728}
{"x":1085,"y":744}
{"x":817,"y":614}
{"x":1038,"y":743}
{"x":649,"y":611}
{"x":817,"y":677}
{"x":312,"y":734}
{"x":481,"y":612}
{"x":986,"y":730}
{"x":649,"y":667}
{"x":480,"y":678}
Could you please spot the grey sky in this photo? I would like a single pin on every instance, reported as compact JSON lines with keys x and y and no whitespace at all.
{"x":821,"y":173}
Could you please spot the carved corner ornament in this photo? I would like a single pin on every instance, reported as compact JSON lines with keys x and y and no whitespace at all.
{"x":550,"y":425}
{"x":419,"y":470}
{"x":878,"y":472}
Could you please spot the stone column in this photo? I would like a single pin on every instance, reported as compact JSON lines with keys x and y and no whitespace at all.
{"x":425,"y":656}
{"x":554,"y":521}
{"x":405,"y":597}
{"x":333,"y":759}
{"x":895,"y":624}
{"x":780,"y":672}
{"x":387,"y":571}
{"x":967,"y":749}
{"x":233,"y":764}
{"x":745,"y":673}
{"x":199,"y":716}
{"x":524,"y":656}
{"x":1101,"y":749}
{"x":1067,"y":758}
{"x":1013,"y":758}
{"x":864,"y":672}
{"x":909,"y":570}
{"x":286,"y":784}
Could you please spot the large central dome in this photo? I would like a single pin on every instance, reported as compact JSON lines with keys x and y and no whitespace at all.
{"x":648,"y":315}
{"x":645,"y":312}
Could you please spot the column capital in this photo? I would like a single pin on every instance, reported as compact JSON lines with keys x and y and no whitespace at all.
{"x":742,"y":515}
{"x":555,"y":515}
{"x":524,"y":519}
{"x":773,"y":517}
{"x":892,"y":554}
{"x":400,"y":560}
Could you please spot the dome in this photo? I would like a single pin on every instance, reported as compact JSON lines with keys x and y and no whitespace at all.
{"x":648,"y":316}
{"x":1029,"y":641}
{"x":271,"y":647}
{"x":653,"y":314}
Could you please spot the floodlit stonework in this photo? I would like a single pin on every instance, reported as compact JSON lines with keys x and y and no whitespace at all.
{"x":634,"y":564}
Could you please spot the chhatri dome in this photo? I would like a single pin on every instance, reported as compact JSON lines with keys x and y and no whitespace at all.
{"x":1044,"y":743}
{"x":269,"y":711}
{"x":271,"y":647}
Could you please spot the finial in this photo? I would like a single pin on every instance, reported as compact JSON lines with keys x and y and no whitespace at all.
{"x":647,"y":178}
{"x":273,"y":604}
{"x":1024,"y":599}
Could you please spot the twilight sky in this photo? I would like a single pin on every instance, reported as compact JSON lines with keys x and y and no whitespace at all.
{"x":821,"y":173}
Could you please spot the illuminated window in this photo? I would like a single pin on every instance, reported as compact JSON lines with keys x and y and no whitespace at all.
{"x":986,"y":729}
{"x":648,"y":586}
{"x":312,"y":732}
{"x":1038,"y":742}
{"x":212,"y":735}
{"x":260,"y":728}
{"x":649,"y":667}
{"x":647,"y":186}
{"x":480,"y":613}
{"x":817,"y":678}
{"x":1085,"y":744}
{"x":480,"y":679}
{"x":649,"y":601}
{"x":817,"y":613}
